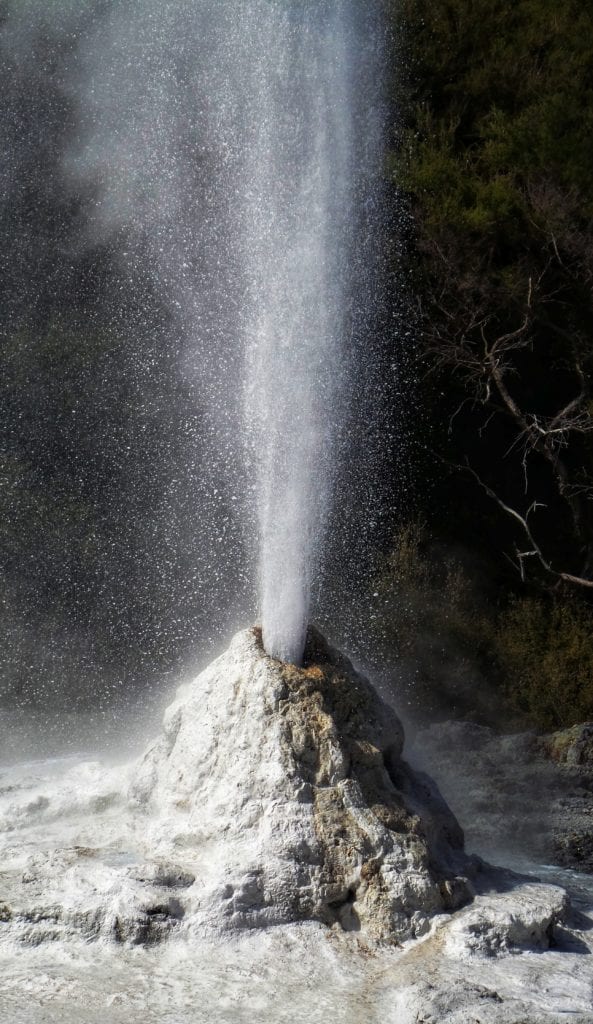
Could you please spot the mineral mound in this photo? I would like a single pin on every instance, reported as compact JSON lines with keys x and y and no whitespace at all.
{"x":273,"y":795}
{"x":284,"y":790}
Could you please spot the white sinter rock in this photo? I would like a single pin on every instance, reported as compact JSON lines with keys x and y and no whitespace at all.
{"x":274,"y":795}
{"x":283,"y":790}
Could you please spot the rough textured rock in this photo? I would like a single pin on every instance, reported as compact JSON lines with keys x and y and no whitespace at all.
{"x":275,"y":796}
{"x":572,"y":746}
{"x":524,"y":918}
{"x":522,"y":794}
{"x":285,"y":790}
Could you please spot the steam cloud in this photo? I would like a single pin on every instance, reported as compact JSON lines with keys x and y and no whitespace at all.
{"x":233,"y":152}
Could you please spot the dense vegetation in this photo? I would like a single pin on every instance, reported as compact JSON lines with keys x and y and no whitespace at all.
{"x":495,"y":149}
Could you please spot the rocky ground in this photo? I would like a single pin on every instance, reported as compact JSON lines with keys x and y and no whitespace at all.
{"x":272,"y":856}
{"x":527,"y":795}
{"x":273,"y":795}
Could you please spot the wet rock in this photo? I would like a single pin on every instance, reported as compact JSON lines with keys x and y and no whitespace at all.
{"x":572,"y":746}
{"x":274,"y":795}
{"x":292,"y":780}
{"x":574,"y":848}
{"x":524,"y":918}
{"x":166,"y":875}
{"x":522,"y":794}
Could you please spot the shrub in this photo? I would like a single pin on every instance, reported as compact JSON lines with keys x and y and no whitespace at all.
{"x":434,"y":625}
{"x":545,"y":649}
{"x":529,"y":665}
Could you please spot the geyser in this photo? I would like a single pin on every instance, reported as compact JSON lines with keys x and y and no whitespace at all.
{"x":237,"y":149}
{"x":308,"y":125}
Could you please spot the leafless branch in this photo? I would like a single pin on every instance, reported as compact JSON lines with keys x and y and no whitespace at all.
{"x":523,"y":520}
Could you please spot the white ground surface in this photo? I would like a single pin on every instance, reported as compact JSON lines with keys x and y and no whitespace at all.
{"x":69,"y":834}
{"x":294,"y":973}
{"x":291,"y":975}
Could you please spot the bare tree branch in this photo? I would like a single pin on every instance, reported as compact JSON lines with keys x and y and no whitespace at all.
{"x":523,"y":521}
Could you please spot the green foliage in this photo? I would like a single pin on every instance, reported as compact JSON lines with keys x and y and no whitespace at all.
{"x":495,"y":152}
{"x":509,"y":85}
{"x":545,"y":650}
{"x":433,"y":623}
{"x":527,"y":665}
{"x":422,"y":592}
{"x":501,"y":100}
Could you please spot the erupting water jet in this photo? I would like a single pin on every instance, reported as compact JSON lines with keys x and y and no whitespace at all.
{"x":311,"y":160}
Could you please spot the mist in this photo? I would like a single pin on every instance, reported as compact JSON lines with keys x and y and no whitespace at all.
{"x":127,"y":291}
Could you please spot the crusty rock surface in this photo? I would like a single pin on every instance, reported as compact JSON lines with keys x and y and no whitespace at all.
{"x":573,"y":746}
{"x":523,"y":918}
{"x":274,"y":795}
{"x":285,"y":791}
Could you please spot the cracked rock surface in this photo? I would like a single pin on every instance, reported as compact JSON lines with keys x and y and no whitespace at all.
{"x":273,"y":796}
{"x":285,"y":791}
